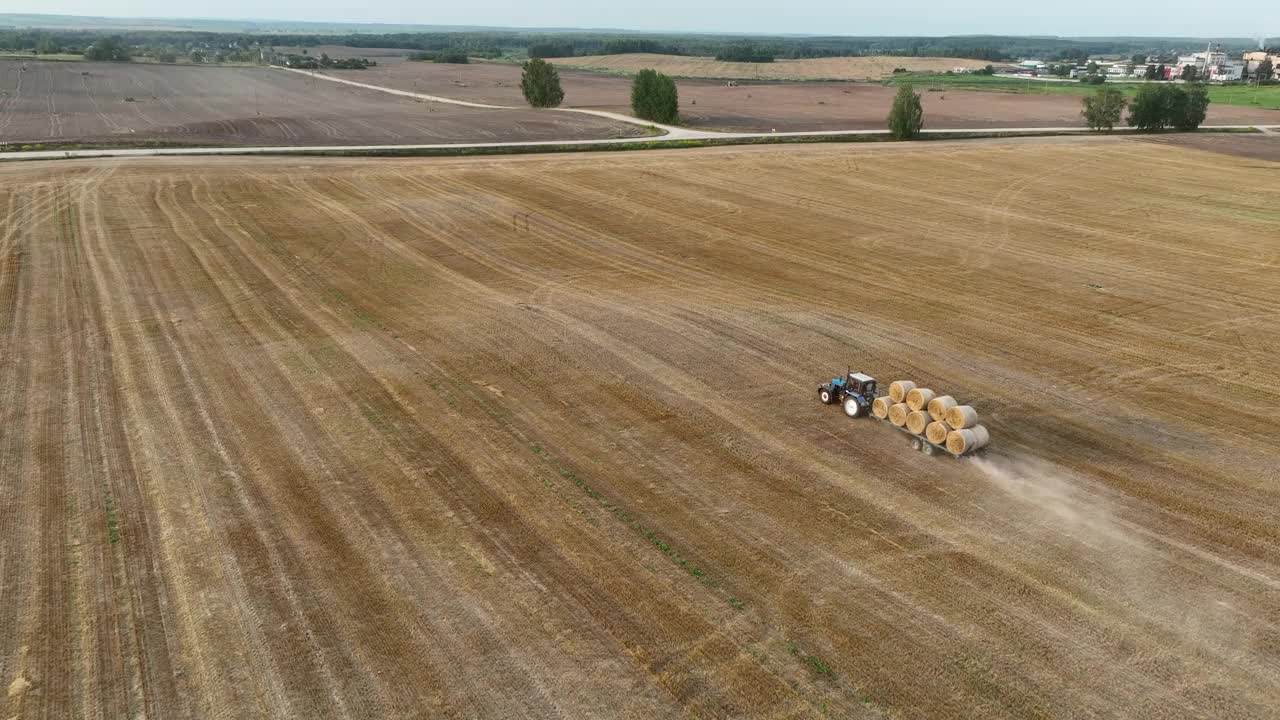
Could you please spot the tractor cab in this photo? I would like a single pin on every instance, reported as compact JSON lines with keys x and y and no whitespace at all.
{"x":861,"y":384}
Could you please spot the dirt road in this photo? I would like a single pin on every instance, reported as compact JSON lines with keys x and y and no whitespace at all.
{"x":538,"y":437}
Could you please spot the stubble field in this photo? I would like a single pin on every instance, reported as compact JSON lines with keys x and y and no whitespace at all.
{"x":538,"y":437}
{"x":131,"y":103}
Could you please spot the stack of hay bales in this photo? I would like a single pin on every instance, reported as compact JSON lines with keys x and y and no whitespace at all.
{"x":941,"y":419}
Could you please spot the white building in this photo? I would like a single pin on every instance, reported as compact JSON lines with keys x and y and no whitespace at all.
{"x":1227,"y":72}
{"x":1202,"y":60}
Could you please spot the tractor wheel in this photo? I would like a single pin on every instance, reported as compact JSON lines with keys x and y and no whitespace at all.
{"x":852,"y":407}
{"x":825,"y":396}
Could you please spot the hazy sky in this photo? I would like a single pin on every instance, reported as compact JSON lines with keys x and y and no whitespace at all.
{"x":851,"y":17}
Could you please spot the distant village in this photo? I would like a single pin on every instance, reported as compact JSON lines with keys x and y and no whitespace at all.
{"x":1209,"y":66}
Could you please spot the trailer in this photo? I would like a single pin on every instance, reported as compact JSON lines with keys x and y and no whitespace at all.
{"x":921,"y":443}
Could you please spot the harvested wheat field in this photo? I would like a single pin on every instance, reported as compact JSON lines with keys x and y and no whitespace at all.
{"x":538,"y":437}
{"x":836,"y":68}
{"x":134,"y":103}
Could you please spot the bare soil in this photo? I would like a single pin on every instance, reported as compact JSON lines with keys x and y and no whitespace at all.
{"x":836,"y":68}
{"x":90,"y":103}
{"x":761,"y":107}
{"x":538,"y":437}
{"x":1259,"y":146}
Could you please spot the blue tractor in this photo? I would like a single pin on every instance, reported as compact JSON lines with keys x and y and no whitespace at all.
{"x":855,"y":391}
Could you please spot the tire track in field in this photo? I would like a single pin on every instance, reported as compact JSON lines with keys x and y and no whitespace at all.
{"x":18,"y":504}
{"x":615,"y":620}
{"x":437,"y":461}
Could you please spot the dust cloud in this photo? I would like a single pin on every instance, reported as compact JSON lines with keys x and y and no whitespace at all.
{"x":1137,"y":574}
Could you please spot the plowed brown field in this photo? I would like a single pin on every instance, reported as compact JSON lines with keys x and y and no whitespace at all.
{"x":128,"y":103}
{"x":761,"y":107}
{"x":538,"y":437}
{"x":835,"y":68}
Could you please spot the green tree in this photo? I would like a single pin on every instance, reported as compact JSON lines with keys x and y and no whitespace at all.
{"x":1103,"y":110}
{"x":111,"y":49}
{"x":1190,"y":73}
{"x":1263,"y":73}
{"x":1192,"y":107}
{"x":1160,"y":72}
{"x":540,"y":84}
{"x":1150,"y":73}
{"x":1093,"y":67}
{"x":167,"y":55}
{"x":1138,"y":59}
{"x":1157,"y":107}
{"x":1150,"y":110}
{"x":654,"y":97}
{"x":906,"y":118}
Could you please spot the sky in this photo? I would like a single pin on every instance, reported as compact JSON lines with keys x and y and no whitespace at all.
{"x":1193,"y":18}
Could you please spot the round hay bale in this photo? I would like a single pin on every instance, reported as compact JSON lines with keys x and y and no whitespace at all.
{"x":960,"y":442}
{"x":919,"y":398}
{"x":939,"y":406}
{"x":898,"y":390}
{"x":917,"y":420}
{"x":898,"y":414}
{"x":880,"y":406}
{"x":936,"y":432}
{"x":961,"y":417}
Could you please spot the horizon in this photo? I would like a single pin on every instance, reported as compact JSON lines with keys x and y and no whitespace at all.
{"x":560,"y":17}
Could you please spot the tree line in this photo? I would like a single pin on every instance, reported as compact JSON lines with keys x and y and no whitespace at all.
{"x":494,"y":43}
{"x":1154,"y":108}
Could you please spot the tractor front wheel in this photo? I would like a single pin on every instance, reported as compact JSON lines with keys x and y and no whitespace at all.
{"x":852,"y":407}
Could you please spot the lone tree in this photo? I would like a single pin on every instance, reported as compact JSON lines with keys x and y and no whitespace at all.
{"x":1263,"y":73}
{"x":1157,"y":107}
{"x":541,"y":84}
{"x":108,"y":48}
{"x":906,"y":118}
{"x":1103,"y":110}
{"x":654,"y":97}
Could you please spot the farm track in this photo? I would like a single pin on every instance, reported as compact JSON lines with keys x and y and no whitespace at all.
{"x":537,"y":437}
